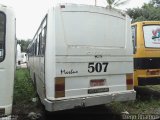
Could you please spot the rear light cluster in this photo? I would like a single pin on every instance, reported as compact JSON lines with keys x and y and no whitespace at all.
{"x":153,"y":72}
{"x":59,"y":87}
{"x":129,"y":81}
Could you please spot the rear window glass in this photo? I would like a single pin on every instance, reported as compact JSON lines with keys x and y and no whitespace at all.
{"x":2,"y":36}
{"x":152,"y":36}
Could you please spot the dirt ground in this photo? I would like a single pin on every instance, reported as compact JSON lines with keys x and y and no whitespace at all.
{"x":34,"y":112}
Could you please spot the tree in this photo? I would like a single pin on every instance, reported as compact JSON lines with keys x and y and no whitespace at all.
{"x":155,"y":3}
{"x":148,"y":11}
{"x":24,"y":44}
{"x":115,"y":3}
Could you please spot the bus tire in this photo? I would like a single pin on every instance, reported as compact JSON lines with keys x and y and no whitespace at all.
{"x":35,"y":84}
{"x":36,"y":93}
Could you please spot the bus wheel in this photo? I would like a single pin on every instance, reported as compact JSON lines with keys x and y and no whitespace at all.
{"x":35,"y":85}
{"x":36,"y":93}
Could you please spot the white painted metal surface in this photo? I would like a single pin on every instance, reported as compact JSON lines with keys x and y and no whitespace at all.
{"x":7,"y":65}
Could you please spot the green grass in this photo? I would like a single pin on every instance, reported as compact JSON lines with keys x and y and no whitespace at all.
{"x":136,"y":107}
{"x":23,"y":88}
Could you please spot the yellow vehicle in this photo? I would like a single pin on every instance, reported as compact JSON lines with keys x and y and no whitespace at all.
{"x":146,"y":42}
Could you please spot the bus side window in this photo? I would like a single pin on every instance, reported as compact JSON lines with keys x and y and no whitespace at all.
{"x":40,"y":44}
{"x":33,"y":49}
{"x":35,"y":52}
{"x":37,"y":45}
{"x":2,"y":35}
{"x":43,"y":40}
{"x":134,"y":39}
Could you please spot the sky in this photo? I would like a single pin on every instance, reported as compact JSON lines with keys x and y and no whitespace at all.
{"x":29,"y":13}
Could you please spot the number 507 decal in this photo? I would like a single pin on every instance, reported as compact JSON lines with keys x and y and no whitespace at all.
{"x":98,"y":67}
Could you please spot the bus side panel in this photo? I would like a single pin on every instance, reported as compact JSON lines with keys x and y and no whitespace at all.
{"x":7,"y":67}
{"x":39,"y":75}
{"x":50,"y":56}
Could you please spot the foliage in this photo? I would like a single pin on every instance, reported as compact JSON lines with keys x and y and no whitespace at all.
{"x":148,"y":12}
{"x":156,"y":3}
{"x":23,"y":88}
{"x":114,"y":3}
{"x":24,"y":44}
{"x":150,"y":106}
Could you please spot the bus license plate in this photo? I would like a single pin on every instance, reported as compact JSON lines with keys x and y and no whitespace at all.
{"x":97,"y":82}
{"x":98,"y":90}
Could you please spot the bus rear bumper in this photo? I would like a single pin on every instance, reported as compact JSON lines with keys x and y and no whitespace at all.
{"x":88,"y":101}
{"x":149,"y":81}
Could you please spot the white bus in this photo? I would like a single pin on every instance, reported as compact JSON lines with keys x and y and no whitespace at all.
{"x":7,"y":59}
{"x":82,"y":56}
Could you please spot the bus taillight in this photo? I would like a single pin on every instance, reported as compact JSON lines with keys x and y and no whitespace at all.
{"x":129,"y":81}
{"x":59,"y":87}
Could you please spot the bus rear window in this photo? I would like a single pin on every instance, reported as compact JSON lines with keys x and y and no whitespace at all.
{"x":2,"y":35}
{"x":152,"y":36}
